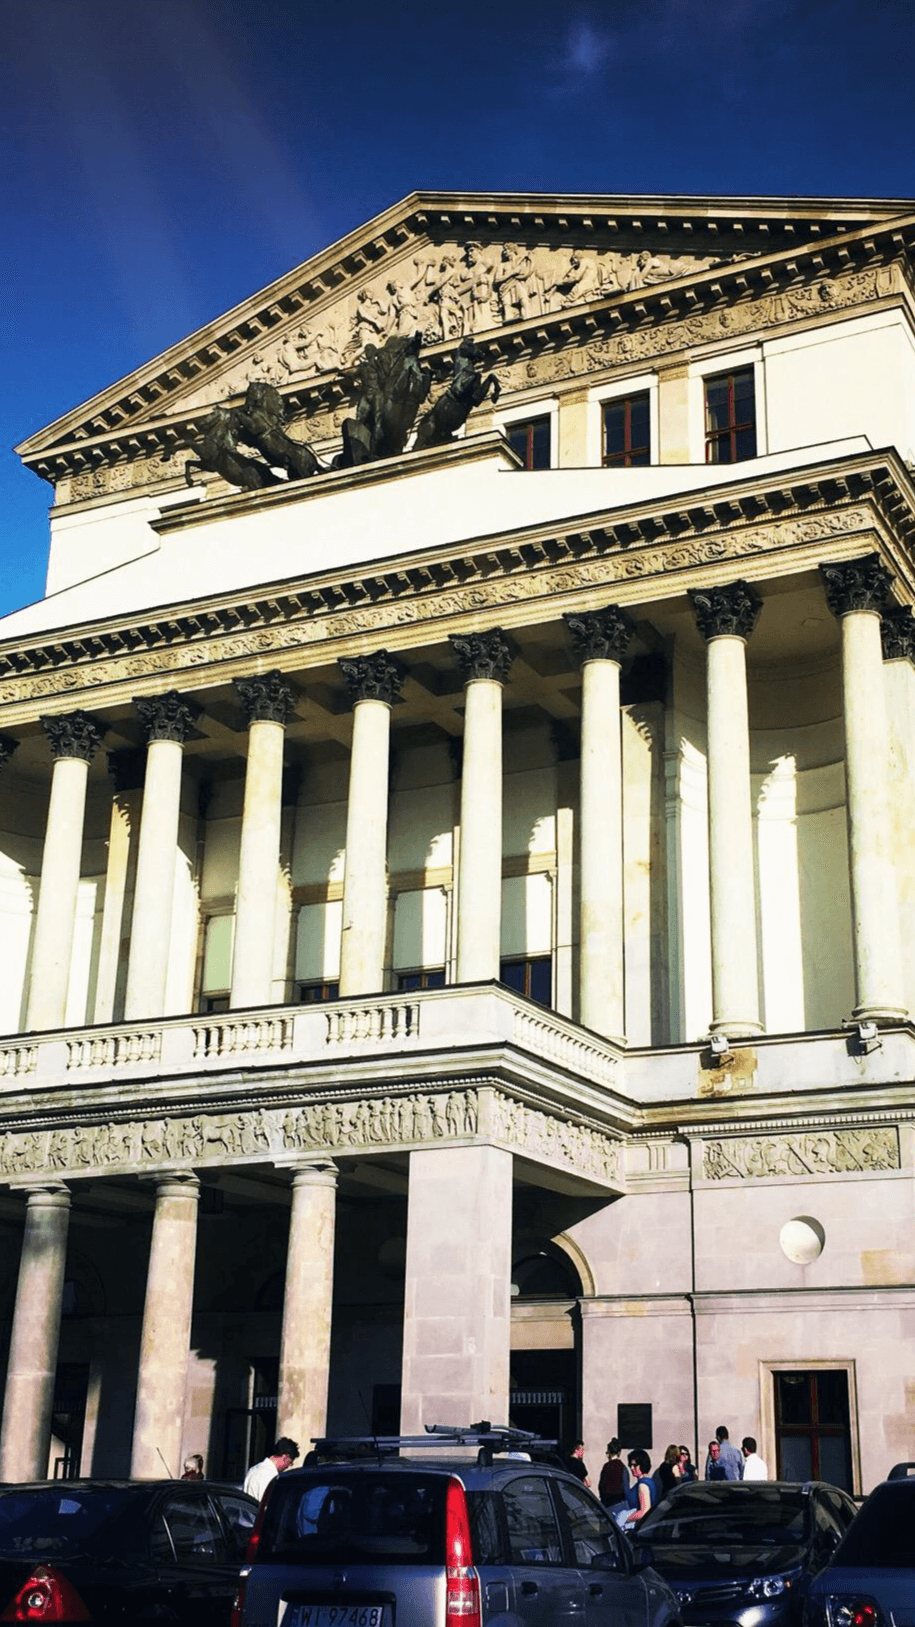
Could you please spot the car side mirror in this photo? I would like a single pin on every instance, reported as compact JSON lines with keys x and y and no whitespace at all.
{"x":642,"y":1556}
{"x":605,"y":1562}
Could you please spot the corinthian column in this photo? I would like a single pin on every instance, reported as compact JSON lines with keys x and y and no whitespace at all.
{"x":164,"y":1344}
{"x":726,"y":617}
{"x":267,"y":700}
{"x":485,"y":659}
{"x":857,"y":590}
{"x":601,"y":638}
{"x":167,"y":721}
{"x":25,"y":1439}
{"x":73,"y":740}
{"x":374,"y":682}
{"x":308,"y":1305}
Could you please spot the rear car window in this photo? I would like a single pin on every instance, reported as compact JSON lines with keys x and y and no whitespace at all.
{"x":884,"y":1532}
{"x":486,"y":1539}
{"x":765,"y":1516}
{"x":60,"y":1521}
{"x":347,"y":1516}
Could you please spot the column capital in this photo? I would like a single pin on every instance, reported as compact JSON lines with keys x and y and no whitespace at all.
{"x":857,"y":584}
{"x":7,"y":746}
{"x":484,"y":655}
{"x":897,"y":634}
{"x":731,"y":611}
{"x":48,"y":1194}
{"x":325,"y":1173}
{"x":166,"y":717}
{"x":375,"y":677}
{"x":266,"y":698}
{"x":73,"y":734}
{"x":176,"y":1183}
{"x":600,"y":635}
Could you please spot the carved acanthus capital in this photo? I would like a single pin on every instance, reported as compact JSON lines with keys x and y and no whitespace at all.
{"x":726,"y":612}
{"x":897,"y":633}
{"x":166,"y":717}
{"x":857,"y":584}
{"x":7,"y":746}
{"x":267,"y":698}
{"x":484,"y":655}
{"x":600,"y":635}
{"x":74,"y":734}
{"x":376,"y":677}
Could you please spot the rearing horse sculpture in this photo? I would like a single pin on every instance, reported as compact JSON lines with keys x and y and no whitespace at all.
{"x":455,"y":404}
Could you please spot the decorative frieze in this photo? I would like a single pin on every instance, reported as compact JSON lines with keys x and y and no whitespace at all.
{"x":483,"y":655}
{"x":375,"y":677}
{"x":266,"y":698}
{"x":552,"y":1139}
{"x":731,"y":611}
{"x":818,"y":1152}
{"x":897,"y":633}
{"x":857,"y":584}
{"x":600,"y":635}
{"x":7,"y":746}
{"x":73,"y":734}
{"x":166,"y":717}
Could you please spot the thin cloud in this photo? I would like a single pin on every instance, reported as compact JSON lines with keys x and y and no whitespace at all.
{"x":588,"y":50}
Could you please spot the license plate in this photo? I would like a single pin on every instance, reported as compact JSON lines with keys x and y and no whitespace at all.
{"x":332,"y":1615}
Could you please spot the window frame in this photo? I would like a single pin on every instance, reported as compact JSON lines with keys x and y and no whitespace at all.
{"x":528,"y":962}
{"x":726,"y":361}
{"x":767,"y":1372}
{"x":563,"y":1562}
{"x":330,"y":984}
{"x":423,"y":973}
{"x":603,"y":395}
{"x":736,"y":426}
{"x":623,"y":460}
{"x":512,"y":417}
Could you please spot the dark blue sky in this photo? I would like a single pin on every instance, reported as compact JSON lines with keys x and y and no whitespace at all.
{"x":163,"y":161}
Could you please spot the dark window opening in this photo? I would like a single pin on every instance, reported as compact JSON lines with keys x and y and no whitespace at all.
{"x":730,"y":417}
{"x":812,"y":1427}
{"x":533,"y":977}
{"x":531,"y":441}
{"x":311,"y":994}
{"x":212,"y":1003}
{"x":423,"y":977}
{"x":627,"y":434}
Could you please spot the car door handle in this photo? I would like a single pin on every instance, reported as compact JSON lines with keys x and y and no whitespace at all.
{"x":529,"y":1587}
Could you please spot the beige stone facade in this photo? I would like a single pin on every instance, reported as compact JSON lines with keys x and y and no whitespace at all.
{"x":456,"y":913}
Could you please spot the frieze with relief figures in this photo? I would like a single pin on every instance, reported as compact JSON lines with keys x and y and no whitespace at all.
{"x":388,"y":1121}
{"x":389,"y":611}
{"x":819,"y":1152}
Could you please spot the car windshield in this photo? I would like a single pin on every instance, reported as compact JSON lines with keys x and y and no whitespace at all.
{"x":63,"y":1521}
{"x":883,"y":1533}
{"x":768,"y":1516}
{"x":348,"y":1516}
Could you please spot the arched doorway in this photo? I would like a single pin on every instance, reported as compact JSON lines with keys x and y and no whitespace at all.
{"x":545,"y":1388}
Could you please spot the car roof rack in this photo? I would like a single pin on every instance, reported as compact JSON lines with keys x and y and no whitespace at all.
{"x":489,"y":1439}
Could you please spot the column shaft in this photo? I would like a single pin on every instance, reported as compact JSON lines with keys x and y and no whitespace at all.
{"x":258,"y":868}
{"x":457,"y":1306}
{"x":122,"y":844}
{"x":308,"y":1306}
{"x":735,"y":976}
{"x":601,"y":983}
{"x":147,"y":965}
{"x":25,"y":1437}
{"x":56,"y":918}
{"x":362,"y":945}
{"x":874,"y":899}
{"x":480,"y":864}
{"x":162,"y":1378}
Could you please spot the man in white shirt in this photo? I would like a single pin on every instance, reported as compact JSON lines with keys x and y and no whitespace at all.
{"x":753,"y":1466}
{"x":260,"y":1474}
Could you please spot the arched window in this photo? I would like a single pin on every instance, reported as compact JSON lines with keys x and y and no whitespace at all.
{"x":545,"y":1273}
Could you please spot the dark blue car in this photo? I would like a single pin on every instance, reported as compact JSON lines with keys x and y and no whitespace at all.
{"x":870,"y":1581}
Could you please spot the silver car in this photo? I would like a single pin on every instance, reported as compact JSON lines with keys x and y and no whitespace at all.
{"x":870,"y":1581}
{"x":374,"y":1539}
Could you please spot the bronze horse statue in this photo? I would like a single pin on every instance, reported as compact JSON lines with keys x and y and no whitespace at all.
{"x":466,"y":390}
{"x":390,"y":388}
{"x":261,"y":421}
{"x":217,"y":453}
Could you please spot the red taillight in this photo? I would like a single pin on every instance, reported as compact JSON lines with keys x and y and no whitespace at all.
{"x":462,"y":1584}
{"x":254,"y":1541}
{"x":46,"y":1596}
{"x":864,"y":1614}
{"x":238,"y":1603}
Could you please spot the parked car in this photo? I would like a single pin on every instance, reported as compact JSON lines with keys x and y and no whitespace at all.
{"x":744,"y":1553}
{"x":870,"y":1580}
{"x":467,"y":1532}
{"x":132,"y":1552}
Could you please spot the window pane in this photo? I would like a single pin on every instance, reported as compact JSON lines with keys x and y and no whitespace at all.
{"x":335,"y":1516}
{"x":196,"y":1537}
{"x":832,"y":1397}
{"x":614,"y":427}
{"x":639,"y":421}
{"x":592,"y":1531}
{"x":540,"y":444}
{"x":239,"y":1519}
{"x":511,"y":973}
{"x":746,"y":444}
{"x":834,"y":1464}
{"x":533,"y":1533}
{"x":485,"y":1529}
{"x":797,"y":1458}
{"x":541,"y":980}
{"x":793,"y":1394}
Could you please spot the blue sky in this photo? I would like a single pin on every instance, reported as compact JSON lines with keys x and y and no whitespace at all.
{"x":161,"y":162}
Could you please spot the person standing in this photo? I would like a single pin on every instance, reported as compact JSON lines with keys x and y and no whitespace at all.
{"x":753,"y":1466}
{"x":261,"y":1474}
{"x":729,"y":1456}
{"x":667,"y":1475}
{"x":714,"y":1468}
{"x":687,"y":1466}
{"x":575,"y":1462}
{"x":614,"y":1477}
{"x":193,"y":1467}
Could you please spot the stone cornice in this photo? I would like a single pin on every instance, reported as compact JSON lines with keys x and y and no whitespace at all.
{"x":122,"y":423}
{"x":822,"y":511}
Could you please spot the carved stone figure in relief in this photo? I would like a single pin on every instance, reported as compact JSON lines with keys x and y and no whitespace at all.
{"x":261,"y":421}
{"x":572,"y":284}
{"x":466,"y":390}
{"x":517,"y":286}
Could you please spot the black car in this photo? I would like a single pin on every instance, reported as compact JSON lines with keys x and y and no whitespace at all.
{"x":744,"y":1553}
{"x":134,"y":1552}
{"x":870,"y":1581}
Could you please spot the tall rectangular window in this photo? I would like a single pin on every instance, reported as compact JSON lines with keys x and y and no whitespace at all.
{"x":812,"y":1426}
{"x":531,"y":441}
{"x":627,"y":435}
{"x":730,"y":417}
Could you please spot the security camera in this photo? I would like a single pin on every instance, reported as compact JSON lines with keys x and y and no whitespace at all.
{"x":719,"y":1044}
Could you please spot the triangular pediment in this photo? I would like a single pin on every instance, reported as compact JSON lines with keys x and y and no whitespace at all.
{"x":448,"y":265}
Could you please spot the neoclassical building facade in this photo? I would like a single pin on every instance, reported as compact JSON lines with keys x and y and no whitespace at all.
{"x":457,"y":905}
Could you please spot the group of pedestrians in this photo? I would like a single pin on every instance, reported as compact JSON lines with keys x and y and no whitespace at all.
{"x":630,"y":1491}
